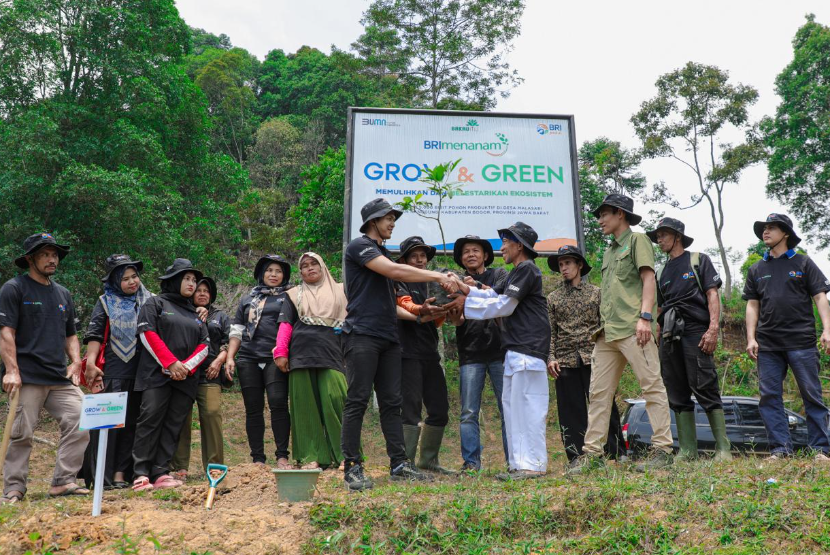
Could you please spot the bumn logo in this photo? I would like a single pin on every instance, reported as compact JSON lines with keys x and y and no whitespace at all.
{"x":378,"y":122}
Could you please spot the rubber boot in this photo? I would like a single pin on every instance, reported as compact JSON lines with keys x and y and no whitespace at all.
{"x":410,"y":439}
{"x":431,"y":438}
{"x":723,"y":449}
{"x":686,"y":436}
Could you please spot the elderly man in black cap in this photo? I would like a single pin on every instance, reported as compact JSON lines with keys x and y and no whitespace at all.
{"x":573,"y":311}
{"x":625,"y":336}
{"x":479,"y":348}
{"x":422,"y":378}
{"x":526,"y":340}
{"x":687,"y":293}
{"x":781,"y":331}
{"x":37,"y":333}
{"x":372,"y":345}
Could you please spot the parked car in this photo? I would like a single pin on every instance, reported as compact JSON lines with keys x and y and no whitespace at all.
{"x":744,"y":427}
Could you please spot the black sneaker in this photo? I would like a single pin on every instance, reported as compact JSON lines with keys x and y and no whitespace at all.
{"x":406,"y":471}
{"x":356,"y":480}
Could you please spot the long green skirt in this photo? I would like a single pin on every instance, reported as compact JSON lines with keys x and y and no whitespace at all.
{"x":317,"y":396}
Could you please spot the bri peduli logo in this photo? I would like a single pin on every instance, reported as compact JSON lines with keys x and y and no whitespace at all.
{"x":688,"y":275}
{"x":471,"y":125}
{"x":796,"y":274}
{"x":549,"y":129}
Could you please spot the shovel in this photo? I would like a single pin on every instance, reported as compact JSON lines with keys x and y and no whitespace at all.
{"x":7,"y":431}
{"x":214,"y":482}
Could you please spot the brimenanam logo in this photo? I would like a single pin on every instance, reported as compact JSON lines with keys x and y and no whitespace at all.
{"x":493,"y":148}
{"x":471,"y":125}
{"x":549,"y":129}
{"x":379,"y":122}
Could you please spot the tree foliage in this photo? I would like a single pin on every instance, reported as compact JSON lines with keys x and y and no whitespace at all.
{"x":694,"y":107}
{"x":798,"y":136}
{"x":450,"y":53}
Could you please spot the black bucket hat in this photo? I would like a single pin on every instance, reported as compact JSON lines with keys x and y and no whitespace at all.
{"x":180,"y":265}
{"x":34,"y":243}
{"x":377,"y":208}
{"x":674,"y":225}
{"x":415,"y":242}
{"x":526,"y":236}
{"x":268,"y":259}
{"x":117,"y":260}
{"x":211,"y":285}
{"x":781,"y":220}
{"x":458,"y":248}
{"x":572,"y":251}
{"x":624,"y":203}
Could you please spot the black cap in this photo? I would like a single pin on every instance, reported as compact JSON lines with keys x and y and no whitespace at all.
{"x":269,"y":259}
{"x":415,"y":242}
{"x":624,"y":203}
{"x":117,"y":260}
{"x":784,"y":222}
{"x":211,"y":285}
{"x":674,"y":225}
{"x":180,"y":265}
{"x":572,"y":251}
{"x":377,"y":208}
{"x":526,"y":236}
{"x":458,"y":248}
{"x":34,"y":243}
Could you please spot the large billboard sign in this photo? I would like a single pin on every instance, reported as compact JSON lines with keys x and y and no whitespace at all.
{"x":514,"y":167}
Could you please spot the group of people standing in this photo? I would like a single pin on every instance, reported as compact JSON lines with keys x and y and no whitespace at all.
{"x":317,"y":350}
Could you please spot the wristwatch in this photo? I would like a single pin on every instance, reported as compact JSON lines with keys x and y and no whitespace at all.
{"x":646,"y":316}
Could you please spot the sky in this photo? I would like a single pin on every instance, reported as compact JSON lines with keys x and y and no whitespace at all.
{"x":596,"y":60}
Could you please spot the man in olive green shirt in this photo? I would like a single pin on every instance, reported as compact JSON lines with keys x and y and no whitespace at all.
{"x":626,"y":335}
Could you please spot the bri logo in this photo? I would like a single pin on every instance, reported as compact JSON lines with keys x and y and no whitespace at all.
{"x":688,"y":275}
{"x":549,"y":129}
{"x":796,"y":274}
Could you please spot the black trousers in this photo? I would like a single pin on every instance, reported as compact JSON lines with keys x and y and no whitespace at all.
{"x":423,"y":384}
{"x":163,"y":412}
{"x":257,"y":384}
{"x":572,"y":389}
{"x":372,"y":361}
{"x":688,"y":371}
{"x":119,"y":441}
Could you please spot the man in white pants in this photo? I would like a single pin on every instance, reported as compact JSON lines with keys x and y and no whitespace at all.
{"x":526,"y":339}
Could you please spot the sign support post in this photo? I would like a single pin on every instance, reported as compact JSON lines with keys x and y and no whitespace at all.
{"x":102,"y":411}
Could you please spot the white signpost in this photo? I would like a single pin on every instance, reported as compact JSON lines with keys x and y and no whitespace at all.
{"x":514,"y":167}
{"x":102,"y":411}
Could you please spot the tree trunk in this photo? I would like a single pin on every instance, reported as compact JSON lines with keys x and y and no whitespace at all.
{"x":727,"y":273}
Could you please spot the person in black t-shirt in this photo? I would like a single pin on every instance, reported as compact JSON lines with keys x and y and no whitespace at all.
{"x":174,"y":342}
{"x":479,"y":348}
{"x":526,"y":340}
{"x":372,"y":347}
{"x":422,"y":377}
{"x":115,"y":317}
{"x":781,"y":331}
{"x":37,"y":332}
{"x":209,"y":396}
{"x":689,"y":316}
{"x":253,"y":335}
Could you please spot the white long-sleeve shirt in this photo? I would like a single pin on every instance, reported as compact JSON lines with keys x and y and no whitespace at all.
{"x":485,"y":304}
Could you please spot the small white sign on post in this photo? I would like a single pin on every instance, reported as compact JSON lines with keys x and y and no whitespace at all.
{"x":102,"y":411}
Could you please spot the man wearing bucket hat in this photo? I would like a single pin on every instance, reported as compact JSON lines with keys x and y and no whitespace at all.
{"x":37,"y":333}
{"x":687,"y":293}
{"x":372,"y":346}
{"x":781,"y":331}
{"x":573,"y":311}
{"x":422,"y":378}
{"x":479,"y":348}
{"x":625,"y":335}
{"x":526,"y":340}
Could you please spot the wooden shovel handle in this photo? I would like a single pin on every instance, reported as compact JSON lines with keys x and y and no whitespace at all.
{"x":7,"y":431}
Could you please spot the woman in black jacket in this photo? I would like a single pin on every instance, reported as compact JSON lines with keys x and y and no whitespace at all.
{"x":175,"y":342}
{"x":253,"y":336}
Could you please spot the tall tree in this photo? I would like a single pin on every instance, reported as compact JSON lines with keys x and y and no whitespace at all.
{"x":614,"y":167}
{"x":452,"y":53}
{"x":798,"y":136}
{"x":694,"y":107}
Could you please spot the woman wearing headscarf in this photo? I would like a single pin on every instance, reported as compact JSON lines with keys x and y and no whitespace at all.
{"x":115,"y":318}
{"x":253,"y":335}
{"x":175,"y":342}
{"x":309,"y":344}
{"x":209,"y":396}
